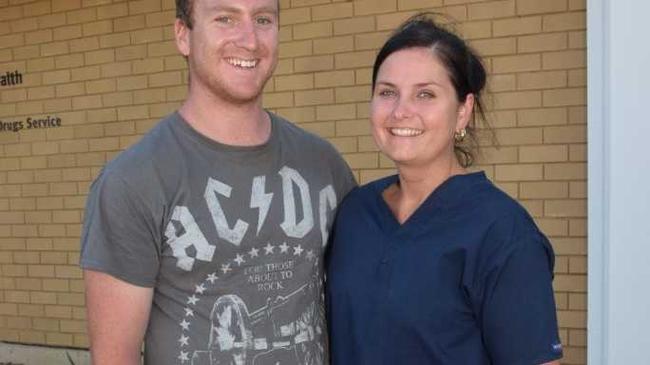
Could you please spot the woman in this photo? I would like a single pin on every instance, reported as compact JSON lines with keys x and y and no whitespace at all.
{"x":435,"y":265}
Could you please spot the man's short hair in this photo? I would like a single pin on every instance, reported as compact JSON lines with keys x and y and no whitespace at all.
{"x":184,"y":11}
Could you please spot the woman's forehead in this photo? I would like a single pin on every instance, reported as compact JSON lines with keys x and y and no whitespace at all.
{"x":419,"y":64}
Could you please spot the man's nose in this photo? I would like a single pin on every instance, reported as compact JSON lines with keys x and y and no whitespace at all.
{"x":247,"y":35}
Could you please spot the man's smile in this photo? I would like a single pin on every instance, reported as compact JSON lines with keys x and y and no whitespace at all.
{"x":242,"y":63}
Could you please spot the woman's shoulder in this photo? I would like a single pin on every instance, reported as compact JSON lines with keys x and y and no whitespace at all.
{"x":503,"y":228}
{"x":365,"y":195}
{"x":494,"y":202}
{"x":504,"y":220}
{"x":372,"y":189}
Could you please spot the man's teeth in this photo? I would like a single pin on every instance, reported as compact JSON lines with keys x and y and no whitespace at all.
{"x":242,"y":63}
{"x":405,"y":132}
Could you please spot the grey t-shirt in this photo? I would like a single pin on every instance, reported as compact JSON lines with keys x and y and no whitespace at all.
{"x":231,"y":238}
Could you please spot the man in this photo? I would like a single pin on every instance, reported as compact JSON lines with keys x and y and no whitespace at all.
{"x":205,"y":239}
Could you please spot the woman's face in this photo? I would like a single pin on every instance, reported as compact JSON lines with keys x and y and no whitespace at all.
{"x":415,"y":110}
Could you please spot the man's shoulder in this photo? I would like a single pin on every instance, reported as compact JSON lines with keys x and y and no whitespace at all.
{"x":310,"y":150}
{"x":290,"y":132}
{"x":142,"y":156}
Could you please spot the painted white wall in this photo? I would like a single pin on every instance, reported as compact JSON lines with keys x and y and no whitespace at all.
{"x":619,"y":181}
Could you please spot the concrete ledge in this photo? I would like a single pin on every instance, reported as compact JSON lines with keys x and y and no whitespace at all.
{"x":37,"y":355}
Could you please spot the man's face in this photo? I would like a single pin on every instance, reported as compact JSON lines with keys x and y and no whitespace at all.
{"x":232,"y":48}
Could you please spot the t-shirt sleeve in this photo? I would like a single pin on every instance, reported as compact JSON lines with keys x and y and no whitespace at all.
{"x":345,"y":177}
{"x":119,"y":233}
{"x":517,"y":317}
{"x":349,"y":181}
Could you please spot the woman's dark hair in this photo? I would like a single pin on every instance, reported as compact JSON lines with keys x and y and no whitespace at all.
{"x":463,"y":65}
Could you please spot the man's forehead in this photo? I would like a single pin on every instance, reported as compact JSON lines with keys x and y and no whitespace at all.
{"x":257,"y":5}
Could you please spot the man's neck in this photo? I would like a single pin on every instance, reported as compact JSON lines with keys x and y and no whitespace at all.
{"x":244,"y":124}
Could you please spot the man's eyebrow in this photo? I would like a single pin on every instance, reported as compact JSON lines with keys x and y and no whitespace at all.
{"x":267,"y":9}
{"x":232,"y":9}
{"x":226,"y":8}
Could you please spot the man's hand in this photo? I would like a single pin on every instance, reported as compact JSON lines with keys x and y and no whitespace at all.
{"x":118,"y":313}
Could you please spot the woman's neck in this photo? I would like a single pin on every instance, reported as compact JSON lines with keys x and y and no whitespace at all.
{"x":415,"y":185}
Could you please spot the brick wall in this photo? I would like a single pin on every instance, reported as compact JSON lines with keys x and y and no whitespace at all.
{"x":109,"y":71}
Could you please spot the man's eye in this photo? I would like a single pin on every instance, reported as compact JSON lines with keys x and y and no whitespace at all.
{"x":264,"y":21}
{"x":224,"y":20}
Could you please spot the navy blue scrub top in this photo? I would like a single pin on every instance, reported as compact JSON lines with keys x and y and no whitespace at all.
{"x":465,"y":280}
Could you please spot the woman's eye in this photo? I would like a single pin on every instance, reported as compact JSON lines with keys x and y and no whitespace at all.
{"x":426,"y":95}
{"x":386,"y":93}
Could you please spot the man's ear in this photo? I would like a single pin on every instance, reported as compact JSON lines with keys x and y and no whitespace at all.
{"x":182,"y":36}
{"x":465,"y":110}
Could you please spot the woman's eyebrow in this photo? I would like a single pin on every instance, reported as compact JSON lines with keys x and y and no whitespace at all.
{"x":419,"y":84}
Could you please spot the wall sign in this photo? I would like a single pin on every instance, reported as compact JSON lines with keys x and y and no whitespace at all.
{"x":11,"y":78}
{"x":30,"y":123}
{"x":16,"y":78}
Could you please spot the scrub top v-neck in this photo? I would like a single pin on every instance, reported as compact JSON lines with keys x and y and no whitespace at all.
{"x":466,"y":279}
{"x":426,"y":210}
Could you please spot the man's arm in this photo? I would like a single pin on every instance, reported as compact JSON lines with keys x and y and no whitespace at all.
{"x":118,"y":313}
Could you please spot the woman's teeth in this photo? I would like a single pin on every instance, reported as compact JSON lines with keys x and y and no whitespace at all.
{"x":405,"y":132}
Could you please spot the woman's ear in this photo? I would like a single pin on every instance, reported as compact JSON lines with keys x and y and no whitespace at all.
{"x":465,"y":110}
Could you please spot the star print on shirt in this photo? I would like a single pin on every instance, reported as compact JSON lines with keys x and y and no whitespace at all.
{"x":184,"y":340}
{"x":192,"y":300}
{"x":183,"y":357}
{"x":212,"y":278}
{"x":200,"y":289}
{"x":186,"y":325}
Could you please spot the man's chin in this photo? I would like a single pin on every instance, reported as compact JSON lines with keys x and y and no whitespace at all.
{"x":241,"y":97}
{"x":233,"y":92}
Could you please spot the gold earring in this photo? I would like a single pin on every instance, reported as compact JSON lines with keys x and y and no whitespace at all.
{"x":459,"y":136}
